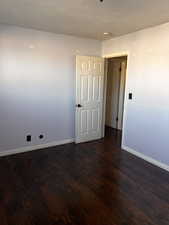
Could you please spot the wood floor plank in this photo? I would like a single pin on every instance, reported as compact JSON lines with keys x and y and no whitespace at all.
{"x":95,"y":183}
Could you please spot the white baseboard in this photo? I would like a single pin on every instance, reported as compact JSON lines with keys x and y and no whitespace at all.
{"x":67,"y":141}
{"x":35,"y":147}
{"x":146,"y":158}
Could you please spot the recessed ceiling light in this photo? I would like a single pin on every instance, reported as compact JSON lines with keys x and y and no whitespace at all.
{"x":106,"y":33}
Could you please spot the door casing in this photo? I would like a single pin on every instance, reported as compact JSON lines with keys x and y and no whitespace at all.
{"x":106,"y":57}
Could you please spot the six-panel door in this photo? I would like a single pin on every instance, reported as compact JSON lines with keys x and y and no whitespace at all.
{"x":89,"y":97}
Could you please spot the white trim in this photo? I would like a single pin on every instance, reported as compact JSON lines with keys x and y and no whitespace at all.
{"x":125,"y":99}
{"x":104,"y":96}
{"x":117,"y":54}
{"x":35,"y":147}
{"x":146,"y":158}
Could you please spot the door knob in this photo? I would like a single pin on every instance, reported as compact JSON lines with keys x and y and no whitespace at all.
{"x":79,"y":105}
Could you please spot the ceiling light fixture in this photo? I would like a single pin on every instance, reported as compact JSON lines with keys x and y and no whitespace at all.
{"x":107,"y":35}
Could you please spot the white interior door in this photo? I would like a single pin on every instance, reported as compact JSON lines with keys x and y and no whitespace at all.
{"x":89,"y":97}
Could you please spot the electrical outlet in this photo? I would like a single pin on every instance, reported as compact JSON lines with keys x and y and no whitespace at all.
{"x":41,"y":136}
{"x":28,"y":138}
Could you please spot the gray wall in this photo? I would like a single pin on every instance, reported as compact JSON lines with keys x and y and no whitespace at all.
{"x":37,"y":82}
{"x":146,"y":127}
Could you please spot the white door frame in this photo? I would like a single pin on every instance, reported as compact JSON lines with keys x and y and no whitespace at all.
{"x":106,"y":57}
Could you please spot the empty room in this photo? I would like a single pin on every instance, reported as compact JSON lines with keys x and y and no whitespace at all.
{"x":84,"y":112}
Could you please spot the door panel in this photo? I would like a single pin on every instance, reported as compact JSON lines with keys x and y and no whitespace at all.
{"x":95,"y":120}
{"x":84,"y":88}
{"x":89,"y":94}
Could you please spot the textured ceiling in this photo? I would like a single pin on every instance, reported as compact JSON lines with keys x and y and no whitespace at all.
{"x":85,"y":18}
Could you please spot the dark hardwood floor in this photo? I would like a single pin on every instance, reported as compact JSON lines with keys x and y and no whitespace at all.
{"x":94,"y":183}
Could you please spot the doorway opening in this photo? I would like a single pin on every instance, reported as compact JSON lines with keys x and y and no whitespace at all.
{"x":115,"y":93}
